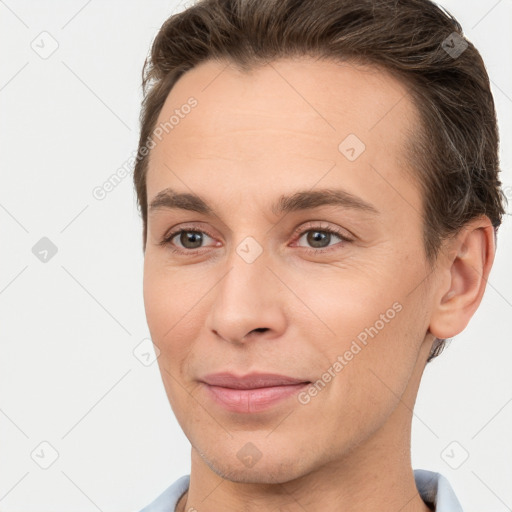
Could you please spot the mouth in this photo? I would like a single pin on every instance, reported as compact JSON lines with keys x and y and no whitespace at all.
{"x":251,"y":393}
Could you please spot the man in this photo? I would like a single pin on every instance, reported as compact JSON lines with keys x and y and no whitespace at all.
{"x":318,"y":183}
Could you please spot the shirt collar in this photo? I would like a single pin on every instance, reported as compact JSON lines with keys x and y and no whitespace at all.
{"x":436,"y":491}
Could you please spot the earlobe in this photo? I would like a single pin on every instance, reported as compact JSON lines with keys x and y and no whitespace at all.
{"x":465,"y":277}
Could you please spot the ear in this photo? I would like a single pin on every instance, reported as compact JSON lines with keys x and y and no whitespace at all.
{"x":464,"y":269}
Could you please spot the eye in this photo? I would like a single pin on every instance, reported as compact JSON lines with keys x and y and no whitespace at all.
{"x":188,"y":241}
{"x":319,"y":238}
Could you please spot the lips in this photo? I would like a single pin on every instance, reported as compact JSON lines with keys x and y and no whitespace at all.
{"x":251,"y":381}
{"x":252,"y":393}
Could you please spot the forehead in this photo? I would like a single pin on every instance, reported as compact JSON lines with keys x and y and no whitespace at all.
{"x":284,"y":122}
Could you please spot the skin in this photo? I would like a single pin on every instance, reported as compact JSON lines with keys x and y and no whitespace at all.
{"x":251,"y":138}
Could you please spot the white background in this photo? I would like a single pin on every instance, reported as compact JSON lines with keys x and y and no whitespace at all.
{"x":68,"y":375}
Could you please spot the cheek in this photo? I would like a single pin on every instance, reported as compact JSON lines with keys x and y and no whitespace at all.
{"x":168,"y":300}
{"x":170,"y":314}
{"x":176,"y":305}
{"x":354,"y":303}
{"x":377,"y":328}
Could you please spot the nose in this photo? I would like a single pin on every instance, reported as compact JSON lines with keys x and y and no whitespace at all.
{"x":248,"y":302}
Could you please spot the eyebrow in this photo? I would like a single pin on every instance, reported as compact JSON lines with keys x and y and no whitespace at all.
{"x":302,"y":200}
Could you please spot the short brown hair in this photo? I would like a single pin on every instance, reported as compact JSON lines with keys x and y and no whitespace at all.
{"x":455,"y":150}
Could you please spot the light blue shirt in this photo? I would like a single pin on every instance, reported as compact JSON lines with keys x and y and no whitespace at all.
{"x":434,"y":489}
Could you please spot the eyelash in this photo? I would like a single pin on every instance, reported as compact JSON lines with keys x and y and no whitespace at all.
{"x":167,"y":240}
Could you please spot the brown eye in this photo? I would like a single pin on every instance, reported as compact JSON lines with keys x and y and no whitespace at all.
{"x":185,"y":241}
{"x":318,"y":239}
{"x":194,"y":238}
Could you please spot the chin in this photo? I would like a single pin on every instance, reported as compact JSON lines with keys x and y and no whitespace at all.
{"x":269,"y":471}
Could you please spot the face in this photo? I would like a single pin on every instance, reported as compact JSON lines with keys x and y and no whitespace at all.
{"x":273,"y":273}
